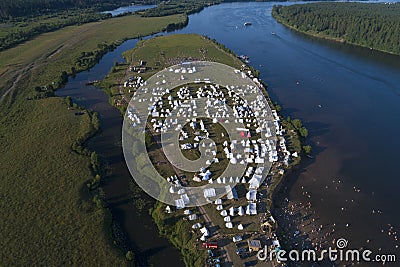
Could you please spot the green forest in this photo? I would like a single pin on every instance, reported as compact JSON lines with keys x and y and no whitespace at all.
{"x":372,"y":25}
{"x":18,"y":8}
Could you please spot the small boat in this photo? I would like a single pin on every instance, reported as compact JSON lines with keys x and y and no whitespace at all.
{"x":247,"y":23}
{"x":244,"y":57}
{"x":273,"y":33}
{"x":91,"y":82}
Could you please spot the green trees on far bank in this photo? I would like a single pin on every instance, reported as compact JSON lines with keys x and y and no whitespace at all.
{"x":372,"y":25}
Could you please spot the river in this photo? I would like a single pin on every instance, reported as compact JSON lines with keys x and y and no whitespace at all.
{"x":348,"y":97}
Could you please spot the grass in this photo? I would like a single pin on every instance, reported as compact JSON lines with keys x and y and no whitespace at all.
{"x":47,"y":213}
{"x":161,"y":52}
{"x":15,"y":31}
{"x":179,"y":232}
{"x":165,"y":51}
{"x":49,"y":54}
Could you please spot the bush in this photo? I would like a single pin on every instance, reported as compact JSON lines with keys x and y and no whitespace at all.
{"x":68,"y":100}
{"x":303,"y":132}
{"x":130,"y":256}
{"x":307,"y":149}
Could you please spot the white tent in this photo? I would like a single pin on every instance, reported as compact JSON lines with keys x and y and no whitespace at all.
{"x":232,"y":211}
{"x":255,"y":181}
{"x":231,"y":192}
{"x":179,"y":203}
{"x":237,"y":238}
{"x":181,"y":191}
{"x":196,"y":225}
{"x":241,"y":211}
{"x":185,"y":198}
{"x":196,"y":179}
{"x":229,"y":225}
{"x":205,"y":231}
{"x":218,"y":201}
{"x":219,"y":207}
{"x":209,"y":192}
{"x":224,"y":213}
{"x":227,"y":219}
{"x":251,"y":195}
{"x":240,"y":227}
{"x":192,"y":217}
{"x":251,"y":209}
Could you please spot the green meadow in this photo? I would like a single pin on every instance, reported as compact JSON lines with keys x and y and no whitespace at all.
{"x":48,"y":215}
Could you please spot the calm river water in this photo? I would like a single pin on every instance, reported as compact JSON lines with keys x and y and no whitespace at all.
{"x":348,"y":97}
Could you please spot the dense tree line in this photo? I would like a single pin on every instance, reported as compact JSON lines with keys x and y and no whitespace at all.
{"x":375,"y":26}
{"x":19,"y":8}
{"x":25,"y":29}
{"x":171,"y":7}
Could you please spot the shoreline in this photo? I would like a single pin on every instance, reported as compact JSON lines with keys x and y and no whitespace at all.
{"x":326,"y":37}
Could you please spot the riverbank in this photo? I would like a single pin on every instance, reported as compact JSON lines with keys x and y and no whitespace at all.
{"x":371,"y":36}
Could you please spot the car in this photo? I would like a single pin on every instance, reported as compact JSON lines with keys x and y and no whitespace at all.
{"x":243,"y":256}
{"x":240,"y":251}
{"x":210,"y":253}
{"x":210,"y":245}
{"x":250,"y":263}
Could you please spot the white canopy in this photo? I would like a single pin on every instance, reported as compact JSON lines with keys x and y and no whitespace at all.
{"x":196,"y":225}
{"x":209,"y":192}
{"x":218,"y":201}
{"x":251,"y":209}
{"x":232,"y":211}
{"x":251,"y":195}
{"x":179,"y":203}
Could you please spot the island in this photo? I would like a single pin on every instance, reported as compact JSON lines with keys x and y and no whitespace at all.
{"x":232,"y":228}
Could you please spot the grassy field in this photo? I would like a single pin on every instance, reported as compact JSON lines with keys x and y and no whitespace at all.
{"x":48,"y":216}
{"x":164,"y":51}
{"x":47,"y":213}
{"x":47,"y":56}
